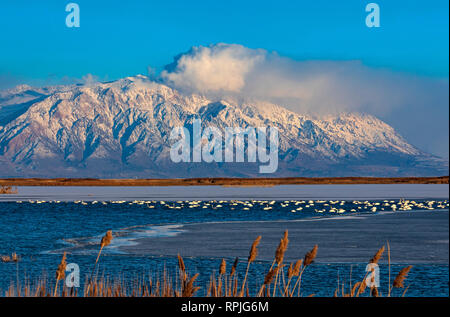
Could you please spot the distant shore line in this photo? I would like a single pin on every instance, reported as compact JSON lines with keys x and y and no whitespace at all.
{"x":228,"y":182}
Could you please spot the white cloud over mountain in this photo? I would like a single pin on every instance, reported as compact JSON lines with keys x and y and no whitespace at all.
{"x":314,"y":87}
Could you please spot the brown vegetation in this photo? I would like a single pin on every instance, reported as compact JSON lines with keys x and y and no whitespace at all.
{"x":228,"y":182}
{"x":13,"y":258}
{"x":276,"y":281}
{"x":7,"y":189}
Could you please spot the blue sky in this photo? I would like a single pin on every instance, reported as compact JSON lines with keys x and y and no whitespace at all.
{"x":123,"y":38}
{"x":120,"y":38}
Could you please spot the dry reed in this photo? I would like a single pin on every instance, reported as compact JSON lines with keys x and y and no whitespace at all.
{"x":60,"y":272}
{"x":377,"y":255}
{"x":225,"y":285}
{"x":251,"y":257}
{"x":401,"y":276}
{"x":13,"y":258}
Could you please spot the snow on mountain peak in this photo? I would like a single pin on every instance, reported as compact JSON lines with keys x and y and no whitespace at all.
{"x":122,"y":128}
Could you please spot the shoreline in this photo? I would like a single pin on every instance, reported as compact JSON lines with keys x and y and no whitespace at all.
{"x":226,"y":182}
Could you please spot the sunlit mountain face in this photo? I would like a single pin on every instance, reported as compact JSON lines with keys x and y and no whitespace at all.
{"x":122,"y":129}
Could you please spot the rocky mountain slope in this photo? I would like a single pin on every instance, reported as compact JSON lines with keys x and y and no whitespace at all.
{"x":122,"y":128}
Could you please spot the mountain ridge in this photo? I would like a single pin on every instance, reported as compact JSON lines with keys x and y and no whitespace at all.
{"x":121,"y":129}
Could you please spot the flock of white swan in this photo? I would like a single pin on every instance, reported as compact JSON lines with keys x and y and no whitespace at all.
{"x":319,"y":206}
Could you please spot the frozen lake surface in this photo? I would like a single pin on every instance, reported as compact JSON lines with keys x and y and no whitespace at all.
{"x":370,"y":191}
{"x":414,"y":237}
{"x":204,"y":224}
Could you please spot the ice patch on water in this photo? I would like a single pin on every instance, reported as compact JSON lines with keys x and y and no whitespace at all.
{"x":122,"y":238}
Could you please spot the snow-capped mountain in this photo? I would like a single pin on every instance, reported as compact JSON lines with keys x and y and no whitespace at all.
{"x":122,"y":128}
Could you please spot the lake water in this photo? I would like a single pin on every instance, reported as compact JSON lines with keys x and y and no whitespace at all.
{"x":151,"y":225}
